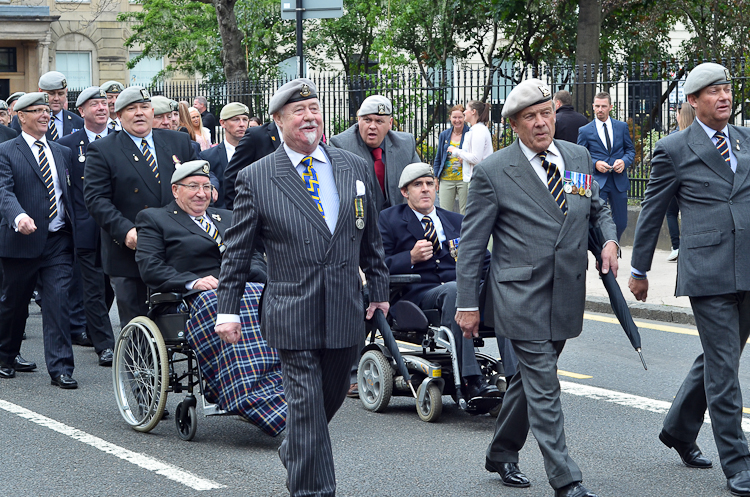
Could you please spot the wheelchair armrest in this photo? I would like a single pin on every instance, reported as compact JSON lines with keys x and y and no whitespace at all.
{"x":165,"y":298}
{"x":405,"y":279}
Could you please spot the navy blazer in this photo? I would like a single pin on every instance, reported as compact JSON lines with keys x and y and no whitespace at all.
{"x":7,"y":133}
{"x":258,"y":142}
{"x":622,"y":148}
{"x":444,"y":141}
{"x":217,"y":157}
{"x":71,"y":121}
{"x":22,"y":189}
{"x":400,"y":230}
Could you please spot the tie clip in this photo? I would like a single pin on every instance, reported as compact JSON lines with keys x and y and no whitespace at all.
{"x":738,"y":144}
{"x":135,"y":157}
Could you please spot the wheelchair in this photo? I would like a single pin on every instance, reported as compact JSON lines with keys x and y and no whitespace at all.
{"x":151,"y":359}
{"x":386,"y":370}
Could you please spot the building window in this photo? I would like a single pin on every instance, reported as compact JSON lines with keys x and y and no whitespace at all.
{"x":8,"y":59}
{"x":145,"y":70}
{"x":76,"y":66}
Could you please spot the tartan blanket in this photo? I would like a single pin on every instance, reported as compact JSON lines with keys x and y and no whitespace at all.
{"x":244,"y":378}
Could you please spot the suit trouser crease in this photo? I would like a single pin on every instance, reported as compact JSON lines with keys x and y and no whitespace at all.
{"x":97,"y":299}
{"x":723,"y":323}
{"x":533,"y":401}
{"x":618,"y":204}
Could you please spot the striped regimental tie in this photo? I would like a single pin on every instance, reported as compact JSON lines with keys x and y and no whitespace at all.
{"x":212,"y":232}
{"x":722,"y":146}
{"x":53,"y":128}
{"x":430,"y":233}
{"x":554,"y":182}
{"x":311,"y":183}
{"x":47,"y":177}
{"x":150,"y":159}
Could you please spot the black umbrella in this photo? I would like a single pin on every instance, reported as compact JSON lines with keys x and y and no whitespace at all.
{"x":619,"y":306}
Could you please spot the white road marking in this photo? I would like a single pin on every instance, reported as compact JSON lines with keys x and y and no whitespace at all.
{"x":146,"y":462}
{"x":628,"y":400}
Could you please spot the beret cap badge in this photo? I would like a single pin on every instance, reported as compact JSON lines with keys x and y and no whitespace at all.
{"x":381,"y":109}
{"x":545,"y":91}
{"x":305,"y":91}
{"x":145,"y":94}
{"x":45,"y":97}
{"x":727,"y":75}
{"x":64,"y":83}
{"x":206,"y":168}
{"x":102,"y":93}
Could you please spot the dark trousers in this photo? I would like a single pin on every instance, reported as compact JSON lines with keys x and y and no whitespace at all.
{"x":97,"y":299}
{"x":55,"y":268}
{"x":315,"y":386}
{"x":723,"y":323}
{"x":618,"y":204}
{"x":75,"y":300}
{"x":673,"y":223}
{"x":533,"y":401}
{"x":132,"y":297}
{"x":443,"y":298}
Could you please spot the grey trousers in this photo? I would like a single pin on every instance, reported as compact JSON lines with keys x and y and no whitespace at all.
{"x":724,"y":326}
{"x":533,"y":401}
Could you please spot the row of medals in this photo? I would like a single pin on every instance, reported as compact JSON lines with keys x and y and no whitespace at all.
{"x":569,"y":188}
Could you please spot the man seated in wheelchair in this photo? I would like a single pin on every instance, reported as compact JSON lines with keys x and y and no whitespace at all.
{"x":179,"y":250}
{"x":420,"y":238}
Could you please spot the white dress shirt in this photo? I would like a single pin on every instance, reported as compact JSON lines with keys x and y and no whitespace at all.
{"x":435,"y":222}
{"x":92,"y":136}
{"x":553,"y":156}
{"x":711,"y":132}
{"x":600,"y":131}
{"x":329,"y":195}
{"x":190,"y":284}
{"x":230,"y":150}
{"x":59,"y":220}
{"x":150,"y":140}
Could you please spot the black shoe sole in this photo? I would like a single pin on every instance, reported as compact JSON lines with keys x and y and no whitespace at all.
{"x":492,"y":469}
{"x":664,"y":440}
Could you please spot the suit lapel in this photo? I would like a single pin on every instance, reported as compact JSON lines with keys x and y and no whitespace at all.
{"x":185,"y":220}
{"x":450,"y":231}
{"x":273,"y":134}
{"x":288,"y":180}
{"x":704,"y":148}
{"x":573,"y":162}
{"x":524,"y":175}
{"x":164,"y":159}
{"x":413,"y":225}
{"x":342,"y":175}
{"x":742,"y":155}
{"x":136,"y":159}
{"x":23,"y":147}
{"x":221,"y":223}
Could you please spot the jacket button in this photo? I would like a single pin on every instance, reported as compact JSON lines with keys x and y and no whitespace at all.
{"x":578,"y":277}
{"x":705,"y":184}
{"x":307,"y":242}
{"x":733,"y":232}
{"x":135,"y":191}
{"x":730,"y":202}
{"x":343,"y":264}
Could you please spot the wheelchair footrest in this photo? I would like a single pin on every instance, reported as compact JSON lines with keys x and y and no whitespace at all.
{"x":483,"y":405}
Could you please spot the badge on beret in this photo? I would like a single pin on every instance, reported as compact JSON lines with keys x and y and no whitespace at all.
{"x":381,"y":108}
{"x":305,"y":91}
{"x":145,"y":94}
{"x":545,"y":91}
{"x":64,"y":83}
{"x":205,"y":168}
{"x":102,"y":93}
{"x":176,"y":160}
{"x":727,"y":75}
{"x":45,"y":97}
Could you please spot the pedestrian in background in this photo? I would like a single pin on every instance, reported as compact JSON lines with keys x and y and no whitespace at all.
{"x":448,"y":167}
{"x":202,"y":135}
{"x":477,"y":144}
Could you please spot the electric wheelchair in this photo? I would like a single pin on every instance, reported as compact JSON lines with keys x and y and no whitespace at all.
{"x":427,"y":374}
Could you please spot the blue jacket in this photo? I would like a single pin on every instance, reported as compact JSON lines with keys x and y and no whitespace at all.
{"x":622,"y":148}
{"x":444,"y":140}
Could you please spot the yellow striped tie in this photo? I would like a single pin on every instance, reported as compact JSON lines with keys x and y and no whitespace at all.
{"x":311,"y":183}
{"x":150,"y":159}
{"x":554,"y":182}
{"x":47,"y":177}
{"x":430,"y":234}
{"x":212,"y":232}
{"x":53,"y":128}
{"x":722,"y":146}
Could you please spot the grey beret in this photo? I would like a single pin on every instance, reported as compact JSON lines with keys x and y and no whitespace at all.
{"x":113,"y":87}
{"x":294,"y":91}
{"x":376,"y":104}
{"x":3,"y":105}
{"x":414,"y":171}
{"x":89,"y":93}
{"x":132,"y":95}
{"x":30,"y":99}
{"x":704,"y":75}
{"x":526,"y":94}
{"x":192,"y":168}
{"x":52,"y":80}
{"x":15,"y":96}
{"x":234,"y":109}
{"x":162,"y":105}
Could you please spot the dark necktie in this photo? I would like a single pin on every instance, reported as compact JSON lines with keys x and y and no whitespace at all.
{"x":111,"y":125}
{"x":430,"y":234}
{"x":311,"y":183}
{"x":97,"y":137}
{"x":53,"y":129}
{"x":212,"y":232}
{"x":606,"y":137}
{"x":377,"y":154}
{"x":554,"y":182}
{"x":722,"y":146}
{"x":47,"y":177}
{"x":150,"y":159}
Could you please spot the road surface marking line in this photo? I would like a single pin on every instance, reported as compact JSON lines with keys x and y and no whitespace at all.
{"x":641,"y":324}
{"x":578,"y":376}
{"x":146,"y":462}
{"x":628,"y":400}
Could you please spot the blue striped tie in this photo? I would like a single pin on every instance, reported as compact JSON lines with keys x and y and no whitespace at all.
{"x":554,"y":182}
{"x":53,"y":128}
{"x":722,"y":146}
{"x":150,"y":159}
{"x":311,"y":183}
{"x":47,"y":177}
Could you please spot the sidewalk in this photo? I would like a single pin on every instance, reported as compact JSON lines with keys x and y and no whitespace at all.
{"x":661,"y":304}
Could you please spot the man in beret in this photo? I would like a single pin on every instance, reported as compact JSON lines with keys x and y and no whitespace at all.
{"x":90,"y":284}
{"x":63,"y":121}
{"x":37,"y":242}
{"x":419,"y":238}
{"x":162,"y":112}
{"x":11,"y":101}
{"x":175,"y":114}
{"x":234,"y":118}
{"x":127,"y":172}
{"x":316,"y":239}
{"x":706,"y":167}
{"x":113,"y":90}
{"x":386,"y":151}
{"x":6,"y":133}
{"x":523,"y":196}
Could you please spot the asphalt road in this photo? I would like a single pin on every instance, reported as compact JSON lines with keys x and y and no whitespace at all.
{"x":75,"y":442}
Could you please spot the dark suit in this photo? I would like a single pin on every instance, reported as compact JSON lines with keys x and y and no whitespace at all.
{"x":209,"y":121}
{"x":713,"y":270}
{"x":613,"y":186}
{"x":94,"y":286}
{"x":312,"y":306}
{"x":217,"y":157}
{"x":538,"y":284}
{"x":401,"y":230}
{"x":70,"y":120}
{"x":567,"y":123}
{"x":118,"y":185}
{"x":42,"y":254}
{"x":258,"y":142}
{"x":7,"y":133}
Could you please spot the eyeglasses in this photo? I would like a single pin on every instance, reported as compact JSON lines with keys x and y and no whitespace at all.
{"x":193,"y":188}
{"x":36,"y":111}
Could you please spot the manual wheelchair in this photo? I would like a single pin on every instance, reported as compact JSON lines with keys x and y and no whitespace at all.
{"x":427,"y":374}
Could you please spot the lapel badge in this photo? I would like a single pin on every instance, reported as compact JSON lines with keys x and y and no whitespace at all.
{"x":135,"y":157}
{"x":738,"y":144}
{"x":217,"y":217}
{"x":305,"y":91}
{"x":175,"y":160}
{"x":545,"y":91}
{"x":69,"y":117}
{"x":273,"y":138}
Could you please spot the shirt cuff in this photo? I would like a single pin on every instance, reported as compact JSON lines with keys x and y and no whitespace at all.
{"x":637,"y":272}
{"x":190,"y":285}
{"x":467,"y":309}
{"x":18,"y":219}
{"x":227,"y":318}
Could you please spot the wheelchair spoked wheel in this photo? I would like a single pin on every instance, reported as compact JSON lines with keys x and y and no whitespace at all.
{"x":375,"y":379}
{"x":433,"y":403}
{"x":186,"y":428}
{"x":141,"y":374}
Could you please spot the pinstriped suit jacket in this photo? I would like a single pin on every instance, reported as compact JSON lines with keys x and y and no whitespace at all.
{"x":313,"y":296}
{"x":22,"y":189}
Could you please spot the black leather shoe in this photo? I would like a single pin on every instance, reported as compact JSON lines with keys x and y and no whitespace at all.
{"x":509,"y":473}
{"x":689,"y":452}
{"x":739,"y":484}
{"x":22,"y":365}
{"x":105,"y":358}
{"x":478,"y":387}
{"x":83,"y":340}
{"x":574,"y":490}
{"x":65,"y":382}
{"x":7,"y":371}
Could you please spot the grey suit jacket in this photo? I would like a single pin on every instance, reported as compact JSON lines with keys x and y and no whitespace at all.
{"x":400,"y":150}
{"x":539,"y":259}
{"x":715,"y":209}
{"x":313,"y":298}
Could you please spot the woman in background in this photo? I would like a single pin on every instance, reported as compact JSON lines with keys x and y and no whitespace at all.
{"x":447,"y":167}
{"x":202,"y":135}
{"x":477,"y":144}
{"x":185,"y":125}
